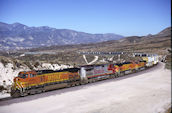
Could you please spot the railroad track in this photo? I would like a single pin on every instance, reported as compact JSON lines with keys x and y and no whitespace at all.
{"x":10,"y":100}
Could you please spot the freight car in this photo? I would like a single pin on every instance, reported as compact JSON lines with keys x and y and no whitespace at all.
{"x":32,"y":82}
{"x":151,"y":59}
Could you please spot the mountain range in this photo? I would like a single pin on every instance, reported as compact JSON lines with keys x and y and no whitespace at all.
{"x":19,"y":36}
{"x":156,"y":42}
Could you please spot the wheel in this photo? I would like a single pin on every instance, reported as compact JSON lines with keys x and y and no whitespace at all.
{"x":32,"y":92}
{"x":39,"y":91}
{"x":73,"y":85}
{"x":77,"y":84}
{"x":15,"y":93}
{"x":116,"y":75}
{"x":68,"y":86}
{"x":89,"y":81}
{"x":24,"y":94}
{"x":94,"y":80}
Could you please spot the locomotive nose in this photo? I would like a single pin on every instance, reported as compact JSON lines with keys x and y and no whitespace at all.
{"x":16,"y":79}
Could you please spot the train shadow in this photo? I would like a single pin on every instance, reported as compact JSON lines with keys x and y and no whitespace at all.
{"x":10,"y":100}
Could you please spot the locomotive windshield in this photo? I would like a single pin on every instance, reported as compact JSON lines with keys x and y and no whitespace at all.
{"x":22,"y":75}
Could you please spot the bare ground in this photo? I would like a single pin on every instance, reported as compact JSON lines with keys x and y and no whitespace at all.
{"x":148,"y":91}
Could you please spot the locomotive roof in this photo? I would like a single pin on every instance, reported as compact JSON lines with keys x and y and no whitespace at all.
{"x":119,"y":64}
{"x":92,"y":65}
{"x":52,"y":71}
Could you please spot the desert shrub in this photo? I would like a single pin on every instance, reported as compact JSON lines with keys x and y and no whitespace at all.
{"x":168,"y":62}
{"x":168,"y":110}
{"x":168,"y":65}
{"x":2,"y":88}
{"x":28,"y":64}
{"x":51,"y":62}
{"x":4,"y":62}
{"x":36,"y":64}
{"x":16,"y":63}
{"x":8,"y":88}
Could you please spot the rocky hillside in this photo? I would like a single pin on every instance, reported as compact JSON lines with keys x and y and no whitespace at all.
{"x":10,"y":67}
{"x":19,"y":36}
{"x":68,"y":55}
{"x":151,"y":43}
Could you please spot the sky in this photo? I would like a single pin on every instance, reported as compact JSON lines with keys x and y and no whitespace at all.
{"x":124,"y":17}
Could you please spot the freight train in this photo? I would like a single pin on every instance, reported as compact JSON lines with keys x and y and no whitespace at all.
{"x":32,"y":82}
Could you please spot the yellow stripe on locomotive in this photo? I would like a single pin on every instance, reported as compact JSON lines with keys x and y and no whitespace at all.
{"x":42,"y":79}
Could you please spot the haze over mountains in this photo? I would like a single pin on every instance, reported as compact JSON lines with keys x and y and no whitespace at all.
{"x":150,"y":43}
{"x":19,"y":36}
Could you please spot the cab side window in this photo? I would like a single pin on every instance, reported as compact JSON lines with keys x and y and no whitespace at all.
{"x":32,"y":75}
{"x":25,"y":76}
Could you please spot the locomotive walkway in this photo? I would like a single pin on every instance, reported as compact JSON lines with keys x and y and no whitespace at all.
{"x":148,"y":91}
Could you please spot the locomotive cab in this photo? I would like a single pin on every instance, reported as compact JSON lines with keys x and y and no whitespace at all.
{"x":20,"y":83}
{"x":28,"y":74}
{"x":23,"y":75}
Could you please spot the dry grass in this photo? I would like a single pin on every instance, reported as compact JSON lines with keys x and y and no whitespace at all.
{"x":169,"y":110}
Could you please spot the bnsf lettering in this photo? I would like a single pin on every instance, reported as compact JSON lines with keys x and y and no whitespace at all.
{"x":53,"y":77}
{"x":63,"y":76}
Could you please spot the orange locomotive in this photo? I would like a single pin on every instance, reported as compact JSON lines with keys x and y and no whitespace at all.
{"x":130,"y":67}
{"x":32,"y":82}
{"x":39,"y":81}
